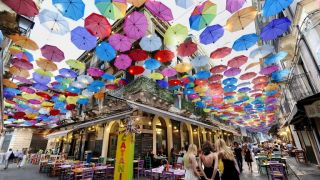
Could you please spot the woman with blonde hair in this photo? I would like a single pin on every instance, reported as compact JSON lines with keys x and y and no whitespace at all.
{"x":190,"y":163}
{"x":230,"y":167}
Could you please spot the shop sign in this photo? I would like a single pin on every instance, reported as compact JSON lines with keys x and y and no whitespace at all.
{"x":313,"y":110}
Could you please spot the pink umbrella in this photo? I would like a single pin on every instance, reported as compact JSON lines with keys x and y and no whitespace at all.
{"x":234,"y":5}
{"x":269,"y":69}
{"x":160,"y":10}
{"x":27,"y":89}
{"x":215,"y":77}
{"x":218,"y":69}
{"x":122,"y":61}
{"x":135,"y":25}
{"x":120,"y":42}
{"x":34,"y":101}
{"x":95,"y":72}
{"x":232,"y":72}
{"x":22,"y":63}
{"x":168,"y":72}
{"x":52,"y":52}
{"x":237,"y":61}
{"x":23,"y":80}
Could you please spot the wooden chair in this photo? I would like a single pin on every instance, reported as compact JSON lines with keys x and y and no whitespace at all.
{"x":277,"y":171}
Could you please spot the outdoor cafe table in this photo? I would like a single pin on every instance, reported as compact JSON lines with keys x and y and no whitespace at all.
{"x":78,"y":171}
{"x":176,"y":172}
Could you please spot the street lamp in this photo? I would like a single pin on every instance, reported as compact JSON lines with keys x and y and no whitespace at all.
{"x":25,"y":24}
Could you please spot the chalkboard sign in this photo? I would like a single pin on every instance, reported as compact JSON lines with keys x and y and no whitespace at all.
{"x":143,"y":144}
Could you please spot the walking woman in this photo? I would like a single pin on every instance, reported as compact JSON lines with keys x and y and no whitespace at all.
{"x":230,"y":167}
{"x":190,"y":163}
{"x":209,"y":160}
{"x":247,"y":156}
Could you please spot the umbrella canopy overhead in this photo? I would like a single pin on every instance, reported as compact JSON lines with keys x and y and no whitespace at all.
{"x":112,"y":9}
{"x":97,"y":25}
{"x":175,"y":34}
{"x":275,"y":29}
{"x":202,"y":15}
{"x":220,"y":53}
{"x":159,"y":10}
{"x":273,"y":7}
{"x":245,"y":42}
{"x":120,"y":42}
{"x":275,"y":58}
{"x":82,"y":39}
{"x":52,"y":53}
{"x":184,"y":3}
{"x":234,"y":5}
{"x":261,"y":51}
{"x":105,"y":52}
{"x":200,"y":61}
{"x":150,"y":43}
{"x":122,"y":62}
{"x":187,"y":48}
{"x":136,"y":3}
{"x":211,"y":34}
{"x":73,"y":9}
{"x":24,"y":42}
{"x":135,"y":25}
{"x":23,"y":7}
{"x":241,"y":19}
{"x":54,"y":22}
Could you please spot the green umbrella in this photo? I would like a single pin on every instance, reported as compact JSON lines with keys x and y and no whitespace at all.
{"x":175,"y":34}
{"x":112,"y":9}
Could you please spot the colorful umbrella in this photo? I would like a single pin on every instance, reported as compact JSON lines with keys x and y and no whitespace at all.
{"x":68,"y":73}
{"x":122,"y":62}
{"x":105,"y":52}
{"x":135,"y":70}
{"x":187,"y":48}
{"x":260,"y":79}
{"x":40,"y":87}
{"x":22,"y":63}
{"x":273,"y":7}
{"x":230,"y":81}
{"x":95,"y":72}
{"x":82,"y":39}
{"x":10,"y":84}
{"x":22,"y":72}
{"x":251,"y":65}
{"x":46,"y":64}
{"x":120,"y":42}
{"x":52,"y":53}
{"x":112,"y":9}
{"x":152,"y":64}
{"x":156,"y":76}
{"x":232,"y":72}
{"x":215,"y":77}
{"x":269,"y":69}
{"x":23,"y":7}
{"x":41,"y":78}
{"x":175,"y":34}
{"x":245,"y":42}
{"x":211,"y":34}
{"x":76,"y":64}
{"x":200,"y":61}
{"x":159,"y":10}
{"x":73,"y":9}
{"x":151,"y":43}
{"x":220,"y":53}
{"x":98,"y":25}
{"x":24,"y":42}
{"x":275,"y":58}
{"x":234,"y":5}
{"x":218,"y":69}
{"x":237,"y":61}
{"x":24,"y":55}
{"x":138,"y":55}
{"x":54,"y":22}
{"x":275,"y":28}
{"x":202,"y":75}
{"x":23,"y":80}
{"x":85,"y":79}
{"x":44,"y":73}
{"x":248,"y":75}
{"x":183,"y":67}
{"x":202,"y":15}
{"x":280,"y":75}
{"x":135,"y":25}
{"x":136,"y":3}
{"x":241,"y":19}
{"x":184,"y":3}
{"x":164,"y":56}
{"x":261,"y":51}
{"x":107,"y":76}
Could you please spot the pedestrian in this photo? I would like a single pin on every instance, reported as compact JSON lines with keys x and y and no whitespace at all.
{"x":190,"y":163}
{"x":23,"y":158}
{"x":238,"y":154}
{"x":247,"y":156}
{"x":230,"y":167}
{"x":209,"y":160}
{"x":9,"y":158}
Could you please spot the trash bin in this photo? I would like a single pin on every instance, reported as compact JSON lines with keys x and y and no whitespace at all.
{"x":88,"y":156}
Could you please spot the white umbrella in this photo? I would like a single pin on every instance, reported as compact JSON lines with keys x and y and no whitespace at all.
{"x":200,"y":61}
{"x":54,"y":22}
{"x":150,"y":43}
{"x":261,"y":51}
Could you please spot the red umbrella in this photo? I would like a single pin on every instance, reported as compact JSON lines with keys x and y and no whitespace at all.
{"x":248,"y":75}
{"x":237,"y":61}
{"x":23,"y":7}
{"x":135,"y":70}
{"x":138,"y":55}
{"x":220,"y":53}
{"x":187,"y":48}
{"x":97,"y":25}
{"x":112,"y":86}
{"x":260,"y":79}
{"x":164,"y":56}
{"x":54,"y":112}
{"x":70,"y":94}
{"x":174,"y":82}
{"x":260,"y":86}
{"x":44,"y":95}
{"x":215,"y":77}
{"x":22,"y":63}
{"x":52,"y":52}
{"x":135,"y":25}
{"x":230,"y":93}
{"x":70,"y":106}
{"x":201,"y":82}
{"x":19,"y":115}
{"x":218,"y":69}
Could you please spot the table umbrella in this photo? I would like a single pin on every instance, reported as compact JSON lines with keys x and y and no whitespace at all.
{"x":22,"y":63}
{"x":135,"y":70}
{"x":82,"y":39}
{"x":85,"y":79}
{"x":122,"y":62}
{"x":202,"y":15}
{"x":95,"y":72}
{"x":234,"y":5}
{"x":200,"y":61}
{"x":248,"y":75}
{"x":168,"y":72}
{"x":76,"y":64}
{"x":112,"y":9}
{"x":24,"y":42}
{"x":43,"y":72}
{"x":175,"y":34}
{"x":232,"y":72}
{"x":105,"y":52}
{"x":41,"y":78}
{"x":275,"y":28}
{"x":120,"y":42}
{"x":53,"y":22}
{"x":136,"y":3}
{"x":273,"y":7}
{"x":152,"y":64}
{"x":159,"y":10}
{"x":15,"y":71}
{"x":24,"y":7}
{"x":52,"y":53}
{"x":269,"y":69}
{"x":241,"y":19}
{"x":164,"y":56}
{"x":46,"y":64}
{"x":220,"y":53}
{"x":215,"y":77}
{"x":150,"y":43}
{"x":237,"y":61}
{"x":73,"y":9}
{"x":183,"y":67}
{"x":275,"y":58}
{"x":138,"y":55}
{"x":98,"y":25}
{"x":261,"y":51}
{"x":245,"y":42}
{"x":218,"y":69}
{"x":230,"y":81}
{"x":211,"y":34}
{"x":135,"y":25}
{"x":187,"y":48}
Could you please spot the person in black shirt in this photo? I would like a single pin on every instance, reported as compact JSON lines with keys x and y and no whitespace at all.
{"x":238,"y":154}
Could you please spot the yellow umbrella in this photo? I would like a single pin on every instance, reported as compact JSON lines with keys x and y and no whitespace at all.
{"x":201,"y":89}
{"x":183,"y":67}
{"x":24,"y":42}
{"x":9,"y":84}
{"x":19,"y":72}
{"x":8,"y":105}
{"x":30,"y":96}
{"x":271,"y":87}
{"x":46,"y":64}
{"x":46,"y":104}
{"x":15,"y":49}
{"x":156,"y":76}
{"x":44,"y":73}
{"x":136,"y":3}
{"x":206,"y":110}
{"x":31,"y":115}
{"x":175,"y":34}
{"x":72,"y":99}
{"x":75,"y":64}
{"x":251,"y":65}
{"x":241,"y":19}
{"x":196,"y":100}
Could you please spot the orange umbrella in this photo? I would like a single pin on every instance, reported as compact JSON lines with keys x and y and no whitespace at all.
{"x":19,"y":72}
{"x":99,"y":95}
{"x":10,"y":84}
{"x":136,"y":3}
{"x":15,"y":49}
{"x":46,"y":65}
{"x":239,"y":20}
{"x":24,"y":42}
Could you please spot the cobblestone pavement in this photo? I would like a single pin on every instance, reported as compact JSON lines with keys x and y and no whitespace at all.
{"x":304,"y":171}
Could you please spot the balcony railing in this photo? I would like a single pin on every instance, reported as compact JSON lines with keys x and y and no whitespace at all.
{"x":300,"y":86}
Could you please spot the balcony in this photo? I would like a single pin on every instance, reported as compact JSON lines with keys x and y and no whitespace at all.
{"x":300,"y":86}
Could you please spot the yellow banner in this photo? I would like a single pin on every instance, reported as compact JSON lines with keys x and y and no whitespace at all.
{"x":124,"y":157}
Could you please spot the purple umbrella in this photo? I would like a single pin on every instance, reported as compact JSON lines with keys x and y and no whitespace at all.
{"x":122,"y":61}
{"x":120,"y":42}
{"x":232,"y":72}
{"x":23,"y":80}
{"x":135,"y":25}
{"x":234,"y":5}
{"x":95,"y":72}
{"x":168,"y":72}
{"x":52,"y":52}
{"x":41,"y":78}
{"x":211,"y":34}
{"x":68,"y":73}
{"x":27,"y":89}
{"x":82,"y":39}
{"x":40,"y":87}
{"x":34,"y":101}
{"x":159,"y":10}
{"x":269,"y":69}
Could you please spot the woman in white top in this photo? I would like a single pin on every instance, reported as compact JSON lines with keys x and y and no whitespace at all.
{"x":190,"y":163}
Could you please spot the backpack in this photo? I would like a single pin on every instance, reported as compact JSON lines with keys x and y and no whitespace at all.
{"x":11,"y":156}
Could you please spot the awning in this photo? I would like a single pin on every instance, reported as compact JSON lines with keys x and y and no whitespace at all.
{"x":171,"y":115}
{"x":58,"y":134}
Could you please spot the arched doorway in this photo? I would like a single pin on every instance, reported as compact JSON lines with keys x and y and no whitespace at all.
{"x":185,"y":136}
{"x":176,"y":137}
{"x":161,"y":136}
{"x":113,"y":137}
{"x":195,"y":135}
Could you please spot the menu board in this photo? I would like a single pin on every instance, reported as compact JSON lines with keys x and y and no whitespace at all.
{"x":143,"y":145}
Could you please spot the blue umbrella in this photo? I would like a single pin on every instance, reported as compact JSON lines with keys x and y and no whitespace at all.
{"x":152,"y":64}
{"x":67,"y":73}
{"x":150,"y":42}
{"x":174,"y":88}
{"x":40,"y":87}
{"x":228,"y":97}
{"x":189,"y":91}
{"x":229,"y":88}
{"x":211,"y":34}
{"x":83,"y":101}
{"x":230,"y":81}
{"x":105,"y":52}
{"x":12,"y":91}
{"x":1,"y":37}
{"x":53,"y":22}
{"x":162,"y":83}
{"x":200,"y":104}
{"x":200,"y":61}
{"x":271,"y":93}
{"x":59,"y":86}
{"x":243,"y":84}
{"x":245,"y":42}
{"x":261,"y":51}
{"x":82,"y":39}
{"x":273,"y":7}
{"x":41,"y":78}
{"x":95,"y":86}
{"x":275,"y":29}
{"x":73,"y":89}
{"x":280,"y":75}
{"x":107,"y":76}
{"x":189,"y":85}
{"x":275,"y":58}
{"x":202,"y":75}
{"x":244,"y":89}
{"x":184,"y":3}
{"x":73,"y":9}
